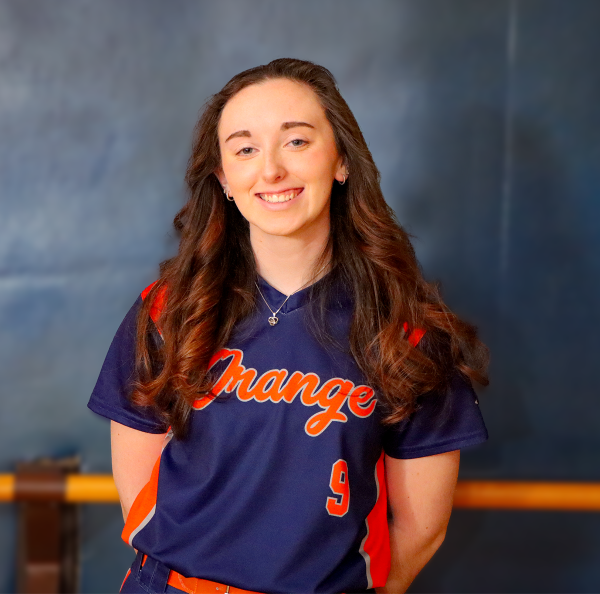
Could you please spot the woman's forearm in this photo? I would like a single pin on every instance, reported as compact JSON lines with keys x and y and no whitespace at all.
{"x":134,"y":454}
{"x":420,"y":493}
{"x":410,"y":552}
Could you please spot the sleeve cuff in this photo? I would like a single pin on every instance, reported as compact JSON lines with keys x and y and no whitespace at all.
{"x":439,"y":448}
{"x":119,"y":417}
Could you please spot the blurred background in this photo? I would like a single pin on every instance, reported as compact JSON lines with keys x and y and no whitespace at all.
{"x":484,"y":119}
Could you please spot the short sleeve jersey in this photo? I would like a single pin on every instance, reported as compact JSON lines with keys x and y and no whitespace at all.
{"x":279,"y":485}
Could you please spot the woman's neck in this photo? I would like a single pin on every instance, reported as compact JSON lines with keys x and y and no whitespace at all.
{"x":288,"y":263}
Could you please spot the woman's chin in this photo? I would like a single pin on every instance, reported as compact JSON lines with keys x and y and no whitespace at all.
{"x":270,"y":229}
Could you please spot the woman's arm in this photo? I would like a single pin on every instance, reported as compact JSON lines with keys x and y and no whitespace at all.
{"x":134,"y":454}
{"x":420,"y":493}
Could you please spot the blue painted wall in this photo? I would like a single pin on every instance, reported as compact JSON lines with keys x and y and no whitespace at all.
{"x":483,"y":118}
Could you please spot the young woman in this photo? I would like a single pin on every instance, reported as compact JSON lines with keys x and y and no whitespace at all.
{"x":291,"y":375}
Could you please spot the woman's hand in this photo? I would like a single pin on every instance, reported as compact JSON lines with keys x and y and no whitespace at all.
{"x":134,"y":454}
{"x":420,"y":493}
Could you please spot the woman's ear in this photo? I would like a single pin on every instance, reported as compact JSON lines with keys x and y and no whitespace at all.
{"x":342,"y":172}
{"x":221,"y":176}
{"x":223,"y":181}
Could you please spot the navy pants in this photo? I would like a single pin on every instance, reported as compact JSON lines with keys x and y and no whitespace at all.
{"x":152,"y":578}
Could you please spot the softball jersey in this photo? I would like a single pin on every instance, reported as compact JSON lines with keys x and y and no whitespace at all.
{"x":279,"y":485}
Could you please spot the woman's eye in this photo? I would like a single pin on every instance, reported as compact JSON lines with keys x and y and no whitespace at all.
{"x":297,"y":142}
{"x":247,"y":150}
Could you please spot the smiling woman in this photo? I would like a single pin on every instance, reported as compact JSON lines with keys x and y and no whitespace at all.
{"x":291,"y":376}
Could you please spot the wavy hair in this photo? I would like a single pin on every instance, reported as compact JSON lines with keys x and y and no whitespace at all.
{"x":209,"y":284}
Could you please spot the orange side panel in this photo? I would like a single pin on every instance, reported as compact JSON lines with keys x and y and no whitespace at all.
{"x":377,"y":544}
{"x":143,"y":507}
{"x":126,"y":576}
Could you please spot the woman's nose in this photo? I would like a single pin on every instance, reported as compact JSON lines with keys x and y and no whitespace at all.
{"x":273,"y":167}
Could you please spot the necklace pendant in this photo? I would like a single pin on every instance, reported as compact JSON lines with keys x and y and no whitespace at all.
{"x":273,"y":320}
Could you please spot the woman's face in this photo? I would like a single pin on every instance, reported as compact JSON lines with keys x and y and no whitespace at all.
{"x":279,"y":159}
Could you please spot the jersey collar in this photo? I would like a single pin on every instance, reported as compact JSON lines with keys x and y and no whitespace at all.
{"x":275,"y":298}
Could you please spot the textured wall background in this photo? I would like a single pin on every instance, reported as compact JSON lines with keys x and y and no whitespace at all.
{"x":483,"y":118}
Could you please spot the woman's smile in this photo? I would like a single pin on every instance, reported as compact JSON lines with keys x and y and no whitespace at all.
{"x":280,"y":196}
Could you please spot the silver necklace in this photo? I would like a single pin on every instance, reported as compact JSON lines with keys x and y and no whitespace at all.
{"x":273,"y":319}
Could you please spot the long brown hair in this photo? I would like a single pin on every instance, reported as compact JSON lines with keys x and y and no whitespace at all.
{"x":209,"y":284}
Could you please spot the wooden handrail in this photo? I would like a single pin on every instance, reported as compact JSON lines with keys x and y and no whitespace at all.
{"x":80,"y":488}
{"x":530,"y":495}
{"x":7,"y":487}
{"x":527,"y":495}
{"x":91,"y":488}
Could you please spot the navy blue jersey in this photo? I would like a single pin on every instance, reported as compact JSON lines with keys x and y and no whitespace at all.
{"x":279,"y":485}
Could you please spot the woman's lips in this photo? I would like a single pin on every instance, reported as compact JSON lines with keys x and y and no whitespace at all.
{"x":277,"y":197}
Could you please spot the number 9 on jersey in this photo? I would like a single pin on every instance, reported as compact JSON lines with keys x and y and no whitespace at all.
{"x":338,"y":506}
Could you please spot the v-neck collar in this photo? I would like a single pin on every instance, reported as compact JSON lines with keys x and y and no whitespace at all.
{"x":275,"y":298}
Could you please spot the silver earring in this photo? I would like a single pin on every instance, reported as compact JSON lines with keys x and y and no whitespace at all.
{"x":344,"y":180}
{"x":227,"y":195}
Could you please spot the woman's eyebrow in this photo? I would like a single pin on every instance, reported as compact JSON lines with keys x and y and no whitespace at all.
{"x":288,"y":125}
{"x":244,"y":133}
{"x":284,"y":126}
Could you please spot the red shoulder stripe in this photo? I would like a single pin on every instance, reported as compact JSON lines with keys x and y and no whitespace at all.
{"x":159,"y":302}
{"x":415,"y":336}
{"x":147,"y":290}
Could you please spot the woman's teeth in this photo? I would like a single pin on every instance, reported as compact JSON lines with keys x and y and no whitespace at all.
{"x":283,"y":197}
